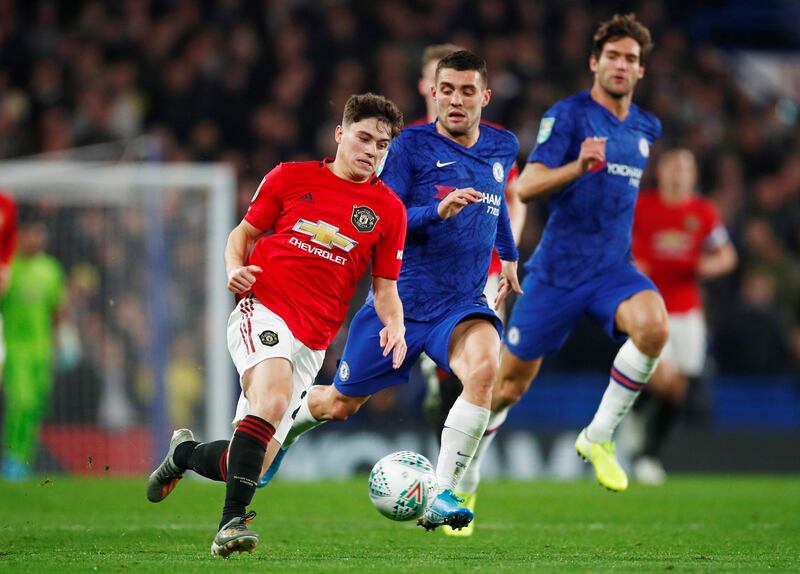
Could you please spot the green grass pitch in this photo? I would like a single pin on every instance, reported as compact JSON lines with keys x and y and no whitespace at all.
{"x":692,"y":524}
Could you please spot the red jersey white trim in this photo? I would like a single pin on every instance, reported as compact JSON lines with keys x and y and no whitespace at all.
{"x":325,"y":230}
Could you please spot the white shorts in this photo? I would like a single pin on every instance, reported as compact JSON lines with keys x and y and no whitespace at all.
{"x":686,"y":347}
{"x":256,"y":334}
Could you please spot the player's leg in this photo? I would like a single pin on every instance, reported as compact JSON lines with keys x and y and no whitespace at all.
{"x":539,"y":324}
{"x":443,"y":388}
{"x":18,"y":395}
{"x":268,"y":388}
{"x":626,"y":302}
{"x":363,"y":371}
{"x":682,"y":363}
{"x":473,"y":351}
{"x":513,"y":380}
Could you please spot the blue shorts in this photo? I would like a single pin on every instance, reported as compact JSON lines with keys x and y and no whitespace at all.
{"x":364,"y":370}
{"x":545,"y":315}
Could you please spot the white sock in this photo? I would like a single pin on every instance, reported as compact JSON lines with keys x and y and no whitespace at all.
{"x":303,"y":422}
{"x":461,"y":434}
{"x":631,"y":371}
{"x":472,"y":476}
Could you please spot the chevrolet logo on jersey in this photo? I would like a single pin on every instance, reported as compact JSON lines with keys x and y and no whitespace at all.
{"x":325,"y":234}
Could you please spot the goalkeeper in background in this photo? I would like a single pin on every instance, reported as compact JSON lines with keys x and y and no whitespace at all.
{"x":32,"y":306}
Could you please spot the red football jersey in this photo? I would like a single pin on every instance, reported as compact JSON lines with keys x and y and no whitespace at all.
{"x":8,"y":228}
{"x":325,"y":232}
{"x":668,"y":241}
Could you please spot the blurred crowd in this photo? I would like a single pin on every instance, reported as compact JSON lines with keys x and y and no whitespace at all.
{"x":255,"y":82}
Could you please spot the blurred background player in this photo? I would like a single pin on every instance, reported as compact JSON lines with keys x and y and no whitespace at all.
{"x":451,"y":175}
{"x":32,"y":307}
{"x":590,"y":154}
{"x":330,"y":219}
{"x":8,"y":245}
{"x":679,"y":240}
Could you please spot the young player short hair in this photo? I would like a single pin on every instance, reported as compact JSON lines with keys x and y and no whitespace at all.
{"x":622,"y":26}
{"x":464,"y":60}
{"x":369,"y":105}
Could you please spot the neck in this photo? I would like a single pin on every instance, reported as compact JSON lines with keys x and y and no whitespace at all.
{"x":467,"y":139}
{"x":430,"y":111}
{"x":674,"y":197}
{"x":619,"y":106}
{"x":338,"y":169}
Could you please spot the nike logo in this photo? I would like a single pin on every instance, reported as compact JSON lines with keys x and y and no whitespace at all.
{"x":444,"y":164}
{"x":462,"y":454}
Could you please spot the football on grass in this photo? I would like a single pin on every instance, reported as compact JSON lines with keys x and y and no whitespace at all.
{"x":402,"y":484}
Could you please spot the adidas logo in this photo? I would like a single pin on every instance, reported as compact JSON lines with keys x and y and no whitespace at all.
{"x":307,"y":197}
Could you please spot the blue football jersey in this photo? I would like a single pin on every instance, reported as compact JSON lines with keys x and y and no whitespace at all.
{"x":445,"y":263}
{"x":589,"y":227}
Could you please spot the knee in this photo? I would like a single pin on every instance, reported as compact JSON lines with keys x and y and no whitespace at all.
{"x":482,"y":376}
{"x":271,"y":408}
{"x":650,"y":333}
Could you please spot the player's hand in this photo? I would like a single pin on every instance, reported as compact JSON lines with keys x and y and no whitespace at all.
{"x":508,"y":282}
{"x":241,"y":279}
{"x":393,"y":340}
{"x":457,"y":200}
{"x":593,"y":153}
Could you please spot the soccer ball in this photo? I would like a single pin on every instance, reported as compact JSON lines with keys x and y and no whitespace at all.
{"x":401,"y":485}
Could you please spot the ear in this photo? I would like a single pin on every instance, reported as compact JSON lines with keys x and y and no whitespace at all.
{"x":487,"y":95}
{"x":641,"y":72}
{"x":593,"y":63}
{"x":422,"y":87}
{"x":337,"y":134}
{"x":433,"y":92}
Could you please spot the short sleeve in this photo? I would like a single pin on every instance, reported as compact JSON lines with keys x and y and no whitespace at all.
{"x":267,"y":200}
{"x":387,"y":255}
{"x":716,"y":235}
{"x":554,"y":137}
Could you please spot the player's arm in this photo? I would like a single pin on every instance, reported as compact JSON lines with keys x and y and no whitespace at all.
{"x":717,"y":262}
{"x":538,"y":180}
{"x":507,"y":249}
{"x":240,"y":276}
{"x":390,"y":311}
{"x":517,"y":211}
{"x":264,"y":209}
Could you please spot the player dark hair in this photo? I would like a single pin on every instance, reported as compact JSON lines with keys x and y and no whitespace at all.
{"x":622,"y":27}
{"x":464,"y":60}
{"x":436,"y":52}
{"x":369,"y":105}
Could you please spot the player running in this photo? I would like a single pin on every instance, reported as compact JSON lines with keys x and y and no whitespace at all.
{"x":591,"y":151}
{"x":450,"y":175}
{"x":443,"y":388}
{"x":329,"y":219}
{"x":678,"y":240}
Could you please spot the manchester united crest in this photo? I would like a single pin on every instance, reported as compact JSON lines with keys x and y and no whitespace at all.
{"x":364,"y":219}
{"x":269,"y":338}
